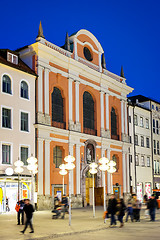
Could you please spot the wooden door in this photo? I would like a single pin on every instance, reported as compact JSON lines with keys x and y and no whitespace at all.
{"x":99,"y":196}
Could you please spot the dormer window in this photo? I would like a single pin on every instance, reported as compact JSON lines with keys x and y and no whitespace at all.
{"x":12,"y":58}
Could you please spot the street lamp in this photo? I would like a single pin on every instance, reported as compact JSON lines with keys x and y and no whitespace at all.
{"x":111,"y":170}
{"x":93,"y":170}
{"x":63,"y":172}
{"x":69,"y":166}
{"x":19,"y":164}
{"x":104,"y":167}
{"x":32,"y":167}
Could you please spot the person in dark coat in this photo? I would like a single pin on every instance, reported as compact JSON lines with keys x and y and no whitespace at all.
{"x":112,"y":209}
{"x":152,"y":204}
{"x":64,"y":203}
{"x":21,"y":212}
{"x":28,"y":209}
{"x":120,"y":211}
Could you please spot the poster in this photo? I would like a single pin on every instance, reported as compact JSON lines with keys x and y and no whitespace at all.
{"x":148,"y":190}
{"x":139,"y":192}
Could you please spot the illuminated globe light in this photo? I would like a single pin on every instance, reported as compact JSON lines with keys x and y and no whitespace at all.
{"x":70,"y":166}
{"x":112,"y":169}
{"x":112,"y":163}
{"x":63,"y":172}
{"x":69,"y":159}
{"x":19,"y":163}
{"x":32,"y":160}
{"x":103,"y":160}
{"x":62,"y":166}
{"x":18,"y":169}
{"x":104,"y":167}
{"x":31,"y":167}
{"x":93,"y":168}
{"x":9,"y":171}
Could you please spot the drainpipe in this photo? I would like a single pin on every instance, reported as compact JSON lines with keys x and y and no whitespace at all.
{"x":151,"y":125}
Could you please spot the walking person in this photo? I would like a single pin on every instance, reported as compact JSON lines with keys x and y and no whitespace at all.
{"x":136,"y":208}
{"x":152,"y":204}
{"x":112,"y":204}
{"x":129,"y":212}
{"x":120,"y":211}
{"x":28,"y":209}
{"x":145,"y":200}
{"x":20,"y":212}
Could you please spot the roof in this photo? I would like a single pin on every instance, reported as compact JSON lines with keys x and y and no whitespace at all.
{"x":142,"y":98}
{"x":20,"y":66}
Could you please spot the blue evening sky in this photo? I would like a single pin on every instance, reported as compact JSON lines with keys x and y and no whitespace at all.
{"x":128,"y":30}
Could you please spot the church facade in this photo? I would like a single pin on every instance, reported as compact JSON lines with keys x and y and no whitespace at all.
{"x":81,"y":109}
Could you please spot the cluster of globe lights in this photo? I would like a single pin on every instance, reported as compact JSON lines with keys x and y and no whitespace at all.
{"x":32,"y":164}
{"x":106,"y":165}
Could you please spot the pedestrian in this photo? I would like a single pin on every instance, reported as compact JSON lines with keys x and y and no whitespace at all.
{"x":28,"y":209}
{"x":145,"y":200}
{"x":64,"y":203}
{"x":7,"y":205}
{"x":20,"y":213}
{"x":112,"y":203}
{"x":136,"y":208}
{"x":56,"y":201}
{"x":129,"y":212}
{"x":152,"y":204}
{"x":120,"y":211}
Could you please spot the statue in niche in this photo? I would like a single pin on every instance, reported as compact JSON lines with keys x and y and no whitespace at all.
{"x":90,"y":153}
{"x":89,"y":157}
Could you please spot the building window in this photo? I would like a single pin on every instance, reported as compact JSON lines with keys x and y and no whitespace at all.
{"x":88,"y":111}
{"x":154,"y":129}
{"x":156,"y":108}
{"x":142,"y":141}
{"x":6,"y":84}
{"x":24,"y":155}
{"x":57,"y":156}
{"x":141,"y":121}
{"x":57,"y":105}
{"x":129,"y":119}
{"x":157,"y":130}
{"x":158,"y":167}
{"x":147,"y":142}
{"x":24,"y":121}
{"x":135,"y":120}
{"x":6,"y":154}
{"x":142,"y":161}
{"x":12,"y":58}
{"x":137,"y":160}
{"x":147,"y":123}
{"x":148,"y":161}
{"x":155,"y":167}
{"x":6,"y":118}
{"x":24,"y":90}
{"x":158,"y":148}
{"x":113,"y":122}
{"x":136,"y":139}
{"x":130,"y":158}
{"x":87,"y":54}
{"x":154,"y":145}
{"x":152,"y":106}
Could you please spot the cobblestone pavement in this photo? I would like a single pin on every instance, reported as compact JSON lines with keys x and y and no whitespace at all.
{"x":83,"y":227}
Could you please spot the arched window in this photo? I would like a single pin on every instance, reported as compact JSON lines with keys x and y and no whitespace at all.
{"x":6,"y":84}
{"x":24,"y":90}
{"x":57,"y":106}
{"x":57,"y":156}
{"x":113,"y":122}
{"x":88,"y":111}
{"x":116,"y":159}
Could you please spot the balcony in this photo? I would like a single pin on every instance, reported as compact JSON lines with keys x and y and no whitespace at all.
{"x":59,"y":124}
{"x":90,"y":131}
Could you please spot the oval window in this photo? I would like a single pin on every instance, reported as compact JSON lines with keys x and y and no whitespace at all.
{"x":87,"y":54}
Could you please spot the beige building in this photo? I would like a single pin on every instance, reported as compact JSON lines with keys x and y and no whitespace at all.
{"x":17,"y":118}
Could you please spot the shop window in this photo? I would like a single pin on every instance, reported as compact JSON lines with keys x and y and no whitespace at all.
{"x":88,"y":111}
{"x":148,"y":161}
{"x":6,"y":118}
{"x":113,"y":122}
{"x":136,"y":140}
{"x":24,"y":121}
{"x":142,"y":141}
{"x":147,"y":142}
{"x":24,"y":155}
{"x":57,"y":156}
{"x":57,"y":108}
{"x":6,"y":154}
{"x":6,"y":84}
{"x":24,"y":90}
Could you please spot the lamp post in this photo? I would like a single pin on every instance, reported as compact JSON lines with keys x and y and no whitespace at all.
{"x":111,"y":170}
{"x":32,"y":167}
{"x":19,"y":164}
{"x":104,"y":167}
{"x":69,"y":166}
{"x":93,"y":170}
{"x":63,"y":172}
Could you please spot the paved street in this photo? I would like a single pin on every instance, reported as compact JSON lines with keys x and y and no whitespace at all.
{"x":83,"y":227}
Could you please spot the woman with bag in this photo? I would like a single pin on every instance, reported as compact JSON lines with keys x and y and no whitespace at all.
{"x":120,"y":211}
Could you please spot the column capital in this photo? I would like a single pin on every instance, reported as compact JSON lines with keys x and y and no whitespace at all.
{"x":77,"y":81}
{"x":47,"y":68}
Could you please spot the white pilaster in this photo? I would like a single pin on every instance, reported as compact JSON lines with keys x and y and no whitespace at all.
{"x":126,"y":122}
{"x":47,"y":167}
{"x":124,"y":171}
{"x":77,"y":100}
{"x":128,"y":175}
{"x":72,"y":177}
{"x":102,"y":175}
{"x":78,"y":179}
{"x":107,"y":111}
{"x":102,"y":109}
{"x":40,"y":89}
{"x":40,"y":166}
{"x":46,"y":93}
{"x":108,"y":174}
{"x":70,"y":80}
{"x":122,"y":115}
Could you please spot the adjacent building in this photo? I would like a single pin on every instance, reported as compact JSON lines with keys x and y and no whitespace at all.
{"x":17,"y":118}
{"x":81,"y":109}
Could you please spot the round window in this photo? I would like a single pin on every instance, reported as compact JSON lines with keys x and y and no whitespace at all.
{"x":87,"y":54}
